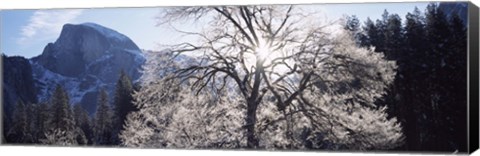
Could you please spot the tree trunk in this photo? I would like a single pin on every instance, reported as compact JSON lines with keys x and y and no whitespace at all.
{"x":251,"y":119}
{"x":252,"y":104}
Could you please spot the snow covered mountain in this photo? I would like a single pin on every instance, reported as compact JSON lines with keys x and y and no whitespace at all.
{"x":84,"y":59}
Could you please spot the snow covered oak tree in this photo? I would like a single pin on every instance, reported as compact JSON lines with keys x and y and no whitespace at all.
{"x":273,"y":77}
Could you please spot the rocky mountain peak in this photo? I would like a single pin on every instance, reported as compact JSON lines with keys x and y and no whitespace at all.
{"x":85,"y":58}
{"x":82,"y":44}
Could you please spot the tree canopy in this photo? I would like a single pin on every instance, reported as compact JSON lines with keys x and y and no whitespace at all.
{"x":285,"y":76}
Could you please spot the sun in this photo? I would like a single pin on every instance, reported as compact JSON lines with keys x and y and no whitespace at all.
{"x":263,"y":51}
{"x":266,"y":55}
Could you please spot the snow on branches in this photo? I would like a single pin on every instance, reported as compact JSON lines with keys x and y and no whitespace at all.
{"x":263,"y":77}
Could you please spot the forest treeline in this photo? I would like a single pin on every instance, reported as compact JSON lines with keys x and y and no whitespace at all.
{"x":429,"y":94}
{"x":56,"y":122}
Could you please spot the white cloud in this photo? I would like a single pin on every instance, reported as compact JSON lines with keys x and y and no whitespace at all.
{"x":46,"y":24}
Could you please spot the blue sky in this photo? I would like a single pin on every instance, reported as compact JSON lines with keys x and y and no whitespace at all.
{"x":27,"y":32}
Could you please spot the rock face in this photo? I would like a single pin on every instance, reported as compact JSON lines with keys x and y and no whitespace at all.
{"x":84,"y":59}
{"x":18,"y":83}
{"x":81,"y":49}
